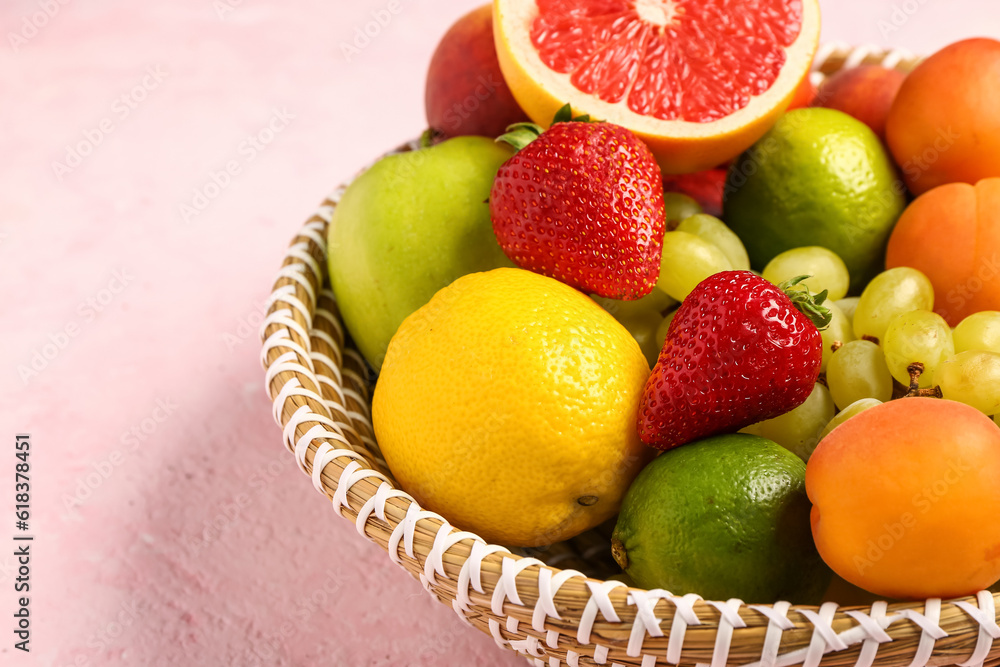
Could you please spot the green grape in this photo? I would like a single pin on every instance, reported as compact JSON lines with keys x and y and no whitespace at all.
{"x":839,"y":331}
{"x":661,"y":331}
{"x":656,"y":301}
{"x":679,"y":206}
{"x":798,"y":430}
{"x":891,"y":293}
{"x":849,"y":305}
{"x":856,"y":371}
{"x":918,"y":336}
{"x":972,"y":377}
{"x":687,"y":260}
{"x":713,"y":230}
{"x":643,"y":327}
{"x":828,"y":272}
{"x":848,"y":412}
{"x":979,"y":331}
{"x":996,"y":420}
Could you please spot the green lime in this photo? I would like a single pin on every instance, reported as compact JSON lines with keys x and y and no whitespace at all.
{"x":723,"y":517}
{"x":818,"y":177}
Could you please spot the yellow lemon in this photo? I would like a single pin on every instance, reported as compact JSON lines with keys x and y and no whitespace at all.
{"x":508,"y":405}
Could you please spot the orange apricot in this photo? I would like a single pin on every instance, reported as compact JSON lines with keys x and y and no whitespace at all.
{"x":906,"y":497}
{"x":943,"y":126}
{"x":952,"y":235}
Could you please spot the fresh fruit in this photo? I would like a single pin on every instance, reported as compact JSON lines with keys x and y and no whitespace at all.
{"x":817,"y":178}
{"x":738,"y":351}
{"x":864,"y":92}
{"x":642,"y":323}
{"x":905,"y":498}
{"x":917,"y":337}
{"x":799,"y":430}
{"x":679,"y":206}
{"x":686,"y":261}
{"x":804,"y":95}
{"x":943,"y":126}
{"x":726,"y":517}
{"x":706,"y":187}
{"x":713,"y":230}
{"x":856,"y":371}
{"x":979,"y":331}
{"x":849,"y":305}
{"x":466,"y":93}
{"x":407,"y":227}
{"x":642,"y":318}
{"x":893,"y":292}
{"x":507,"y":404}
{"x":973,"y":378}
{"x":661,"y":331}
{"x":699,"y":82}
{"x":837,"y":334}
{"x":952,"y":234}
{"x":826,"y":271}
{"x":583,"y":203}
{"x":851,"y":410}
{"x":654,"y":302}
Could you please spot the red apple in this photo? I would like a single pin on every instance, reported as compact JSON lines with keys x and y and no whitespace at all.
{"x":466,"y":93}
{"x":864,"y":92}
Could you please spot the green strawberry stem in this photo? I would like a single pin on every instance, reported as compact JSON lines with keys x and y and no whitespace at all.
{"x":520,"y":135}
{"x":810,"y":305}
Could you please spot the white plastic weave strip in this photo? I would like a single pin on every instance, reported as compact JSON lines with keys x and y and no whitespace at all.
{"x":986,"y":616}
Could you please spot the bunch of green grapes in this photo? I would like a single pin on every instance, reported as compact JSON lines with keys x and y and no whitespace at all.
{"x":886,"y":343}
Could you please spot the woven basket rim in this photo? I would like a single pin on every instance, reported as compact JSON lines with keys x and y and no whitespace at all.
{"x":320,"y":391}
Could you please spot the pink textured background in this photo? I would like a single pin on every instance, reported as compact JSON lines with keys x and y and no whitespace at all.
{"x":172,"y":527}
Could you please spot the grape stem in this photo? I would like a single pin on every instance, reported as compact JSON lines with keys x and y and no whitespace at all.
{"x":916,"y":369}
{"x":618,"y":553}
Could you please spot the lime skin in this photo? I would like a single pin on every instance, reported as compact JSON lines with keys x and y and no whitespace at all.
{"x":409,"y":226}
{"x":818,"y":178}
{"x":724,"y":517}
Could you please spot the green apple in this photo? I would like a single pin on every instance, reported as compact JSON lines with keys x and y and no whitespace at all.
{"x":412,"y":224}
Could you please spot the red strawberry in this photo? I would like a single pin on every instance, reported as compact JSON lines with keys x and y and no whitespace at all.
{"x":582,"y":203}
{"x":738,"y":351}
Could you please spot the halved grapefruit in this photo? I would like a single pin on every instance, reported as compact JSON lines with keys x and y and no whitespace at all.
{"x":698,"y":80}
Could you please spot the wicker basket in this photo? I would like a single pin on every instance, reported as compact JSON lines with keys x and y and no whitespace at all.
{"x":526,"y":602}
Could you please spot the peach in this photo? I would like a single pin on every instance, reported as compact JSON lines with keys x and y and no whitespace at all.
{"x":466,"y":93}
{"x":905,"y":499}
{"x":944,"y":126}
{"x":864,"y":92}
{"x":952,"y":235}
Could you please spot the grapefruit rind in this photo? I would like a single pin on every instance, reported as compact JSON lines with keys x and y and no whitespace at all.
{"x":679,"y":146}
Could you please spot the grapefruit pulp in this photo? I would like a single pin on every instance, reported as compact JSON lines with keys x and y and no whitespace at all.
{"x":698,"y":80}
